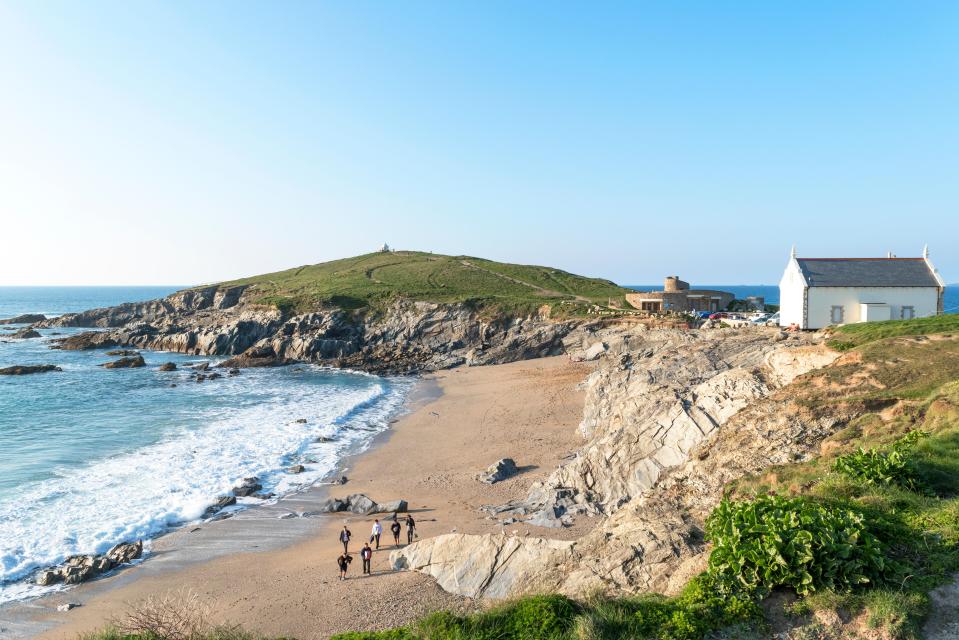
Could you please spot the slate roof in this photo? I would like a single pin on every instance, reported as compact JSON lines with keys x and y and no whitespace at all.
{"x":867,"y":272}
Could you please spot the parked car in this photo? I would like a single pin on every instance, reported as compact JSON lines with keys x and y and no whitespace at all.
{"x":773,"y":320}
{"x":760,"y":318}
{"x":718,"y":315}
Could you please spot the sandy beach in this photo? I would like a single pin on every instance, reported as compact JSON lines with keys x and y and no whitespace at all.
{"x":276,"y":575}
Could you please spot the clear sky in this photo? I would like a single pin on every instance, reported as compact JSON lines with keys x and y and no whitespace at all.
{"x":187,"y":142}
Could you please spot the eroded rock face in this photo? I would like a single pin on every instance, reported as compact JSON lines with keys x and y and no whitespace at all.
{"x":408,"y":336}
{"x":25,"y":334}
{"x":491,"y":566}
{"x":671,"y":416}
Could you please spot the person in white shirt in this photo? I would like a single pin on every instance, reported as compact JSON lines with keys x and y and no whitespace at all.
{"x":377,"y":532}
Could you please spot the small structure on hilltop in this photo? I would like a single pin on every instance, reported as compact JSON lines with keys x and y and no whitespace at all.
{"x":385,"y":248}
{"x":676,"y":296}
{"x":818,"y":292}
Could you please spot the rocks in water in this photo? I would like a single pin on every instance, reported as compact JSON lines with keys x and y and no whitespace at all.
{"x":297,"y":468}
{"x":300,"y":421}
{"x":125,"y":363}
{"x":123,"y":352}
{"x":323,"y":439}
{"x":84,"y":341}
{"x":234,"y":372}
{"x":67,"y":606}
{"x":25,"y":369}
{"x":125,"y":552}
{"x":26,"y":318}
{"x":203,"y":366}
{"x":221,"y":503}
{"x":248,"y":487}
{"x":81,"y":568}
{"x":25,"y":334}
{"x":258,"y":356}
{"x":499,"y":471}
{"x":214,"y":376}
{"x":168,"y":366}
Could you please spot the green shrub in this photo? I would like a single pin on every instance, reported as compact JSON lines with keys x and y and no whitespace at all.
{"x":893,"y":467}
{"x":795,"y":542}
{"x":390,"y":634}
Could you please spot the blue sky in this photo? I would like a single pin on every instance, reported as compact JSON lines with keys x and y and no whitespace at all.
{"x":175,"y":142}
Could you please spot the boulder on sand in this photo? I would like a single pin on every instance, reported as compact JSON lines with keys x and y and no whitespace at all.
{"x":221,"y":503}
{"x":594,"y":351}
{"x":397,"y":506}
{"x":77,"y":569}
{"x":24,"y":369}
{"x":125,"y":363}
{"x":499,"y":471}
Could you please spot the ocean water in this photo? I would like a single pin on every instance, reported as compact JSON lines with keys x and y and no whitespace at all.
{"x":771,"y":292}
{"x":90,"y":456}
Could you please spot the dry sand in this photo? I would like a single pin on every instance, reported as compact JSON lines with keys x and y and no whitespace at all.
{"x":526,"y":410}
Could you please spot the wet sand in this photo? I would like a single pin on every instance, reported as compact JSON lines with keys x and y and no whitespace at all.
{"x":276,"y":575}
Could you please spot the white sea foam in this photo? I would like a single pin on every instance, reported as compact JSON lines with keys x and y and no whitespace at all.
{"x":87,"y":508}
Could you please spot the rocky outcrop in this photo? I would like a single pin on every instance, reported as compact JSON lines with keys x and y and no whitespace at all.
{"x":125,"y":363}
{"x":79,"y":569}
{"x":25,"y":334}
{"x":671,"y":416}
{"x":484,"y":566}
{"x":499,"y":471}
{"x":167,"y":366}
{"x":26,"y":318}
{"x":26,"y":369}
{"x":122,"y":352}
{"x":407,"y":336}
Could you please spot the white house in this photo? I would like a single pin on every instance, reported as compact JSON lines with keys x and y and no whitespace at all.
{"x":817,"y":292}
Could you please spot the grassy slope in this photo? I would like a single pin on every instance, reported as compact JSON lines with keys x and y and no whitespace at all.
{"x":370,"y":280}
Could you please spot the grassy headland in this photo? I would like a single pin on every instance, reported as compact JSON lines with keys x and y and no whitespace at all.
{"x":372,"y":280}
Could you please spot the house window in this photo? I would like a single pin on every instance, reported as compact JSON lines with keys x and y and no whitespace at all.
{"x":907,"y":313}
{"x":836,"y":315}
{"x":650,"y":306}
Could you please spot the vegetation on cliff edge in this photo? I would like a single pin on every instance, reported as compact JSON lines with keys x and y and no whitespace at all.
{"x":372,"y":280}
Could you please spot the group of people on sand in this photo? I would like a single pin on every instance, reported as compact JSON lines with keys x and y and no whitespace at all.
{"x":366,"y":553}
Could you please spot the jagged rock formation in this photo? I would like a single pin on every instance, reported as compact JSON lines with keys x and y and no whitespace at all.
{"x":670,"y":418}
{"x":406,"y":336}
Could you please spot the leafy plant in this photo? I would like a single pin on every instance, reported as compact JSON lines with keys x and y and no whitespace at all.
{"x":774,"y":541}
{"x":893,"y":467}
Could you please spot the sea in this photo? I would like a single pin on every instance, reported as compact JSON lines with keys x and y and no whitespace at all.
{"x":771,"y":292}
{"x":90,"y":457}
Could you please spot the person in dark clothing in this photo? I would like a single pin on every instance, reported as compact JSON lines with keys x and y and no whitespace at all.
{"x":410,"y":527}
{"x":395,"y":528}
{"x":367,"y":555}
{"x":343,"y":562}
{"x":345,"y":536}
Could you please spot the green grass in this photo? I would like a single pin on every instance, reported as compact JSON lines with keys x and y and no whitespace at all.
{"x":698,"y":611}
{"x":851,"y":336}
{"x":372,"y":280}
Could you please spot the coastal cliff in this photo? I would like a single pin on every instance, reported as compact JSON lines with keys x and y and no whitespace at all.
{"x":385,"y":312}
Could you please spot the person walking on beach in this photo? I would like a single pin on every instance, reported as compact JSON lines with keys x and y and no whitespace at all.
{"x":343,"y":562}
{"x":395,"y":528}
{"x":377,"y":532}
{"x":345,"y":536}
{"x":367,"y":554}
{"x":410,"y":527}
